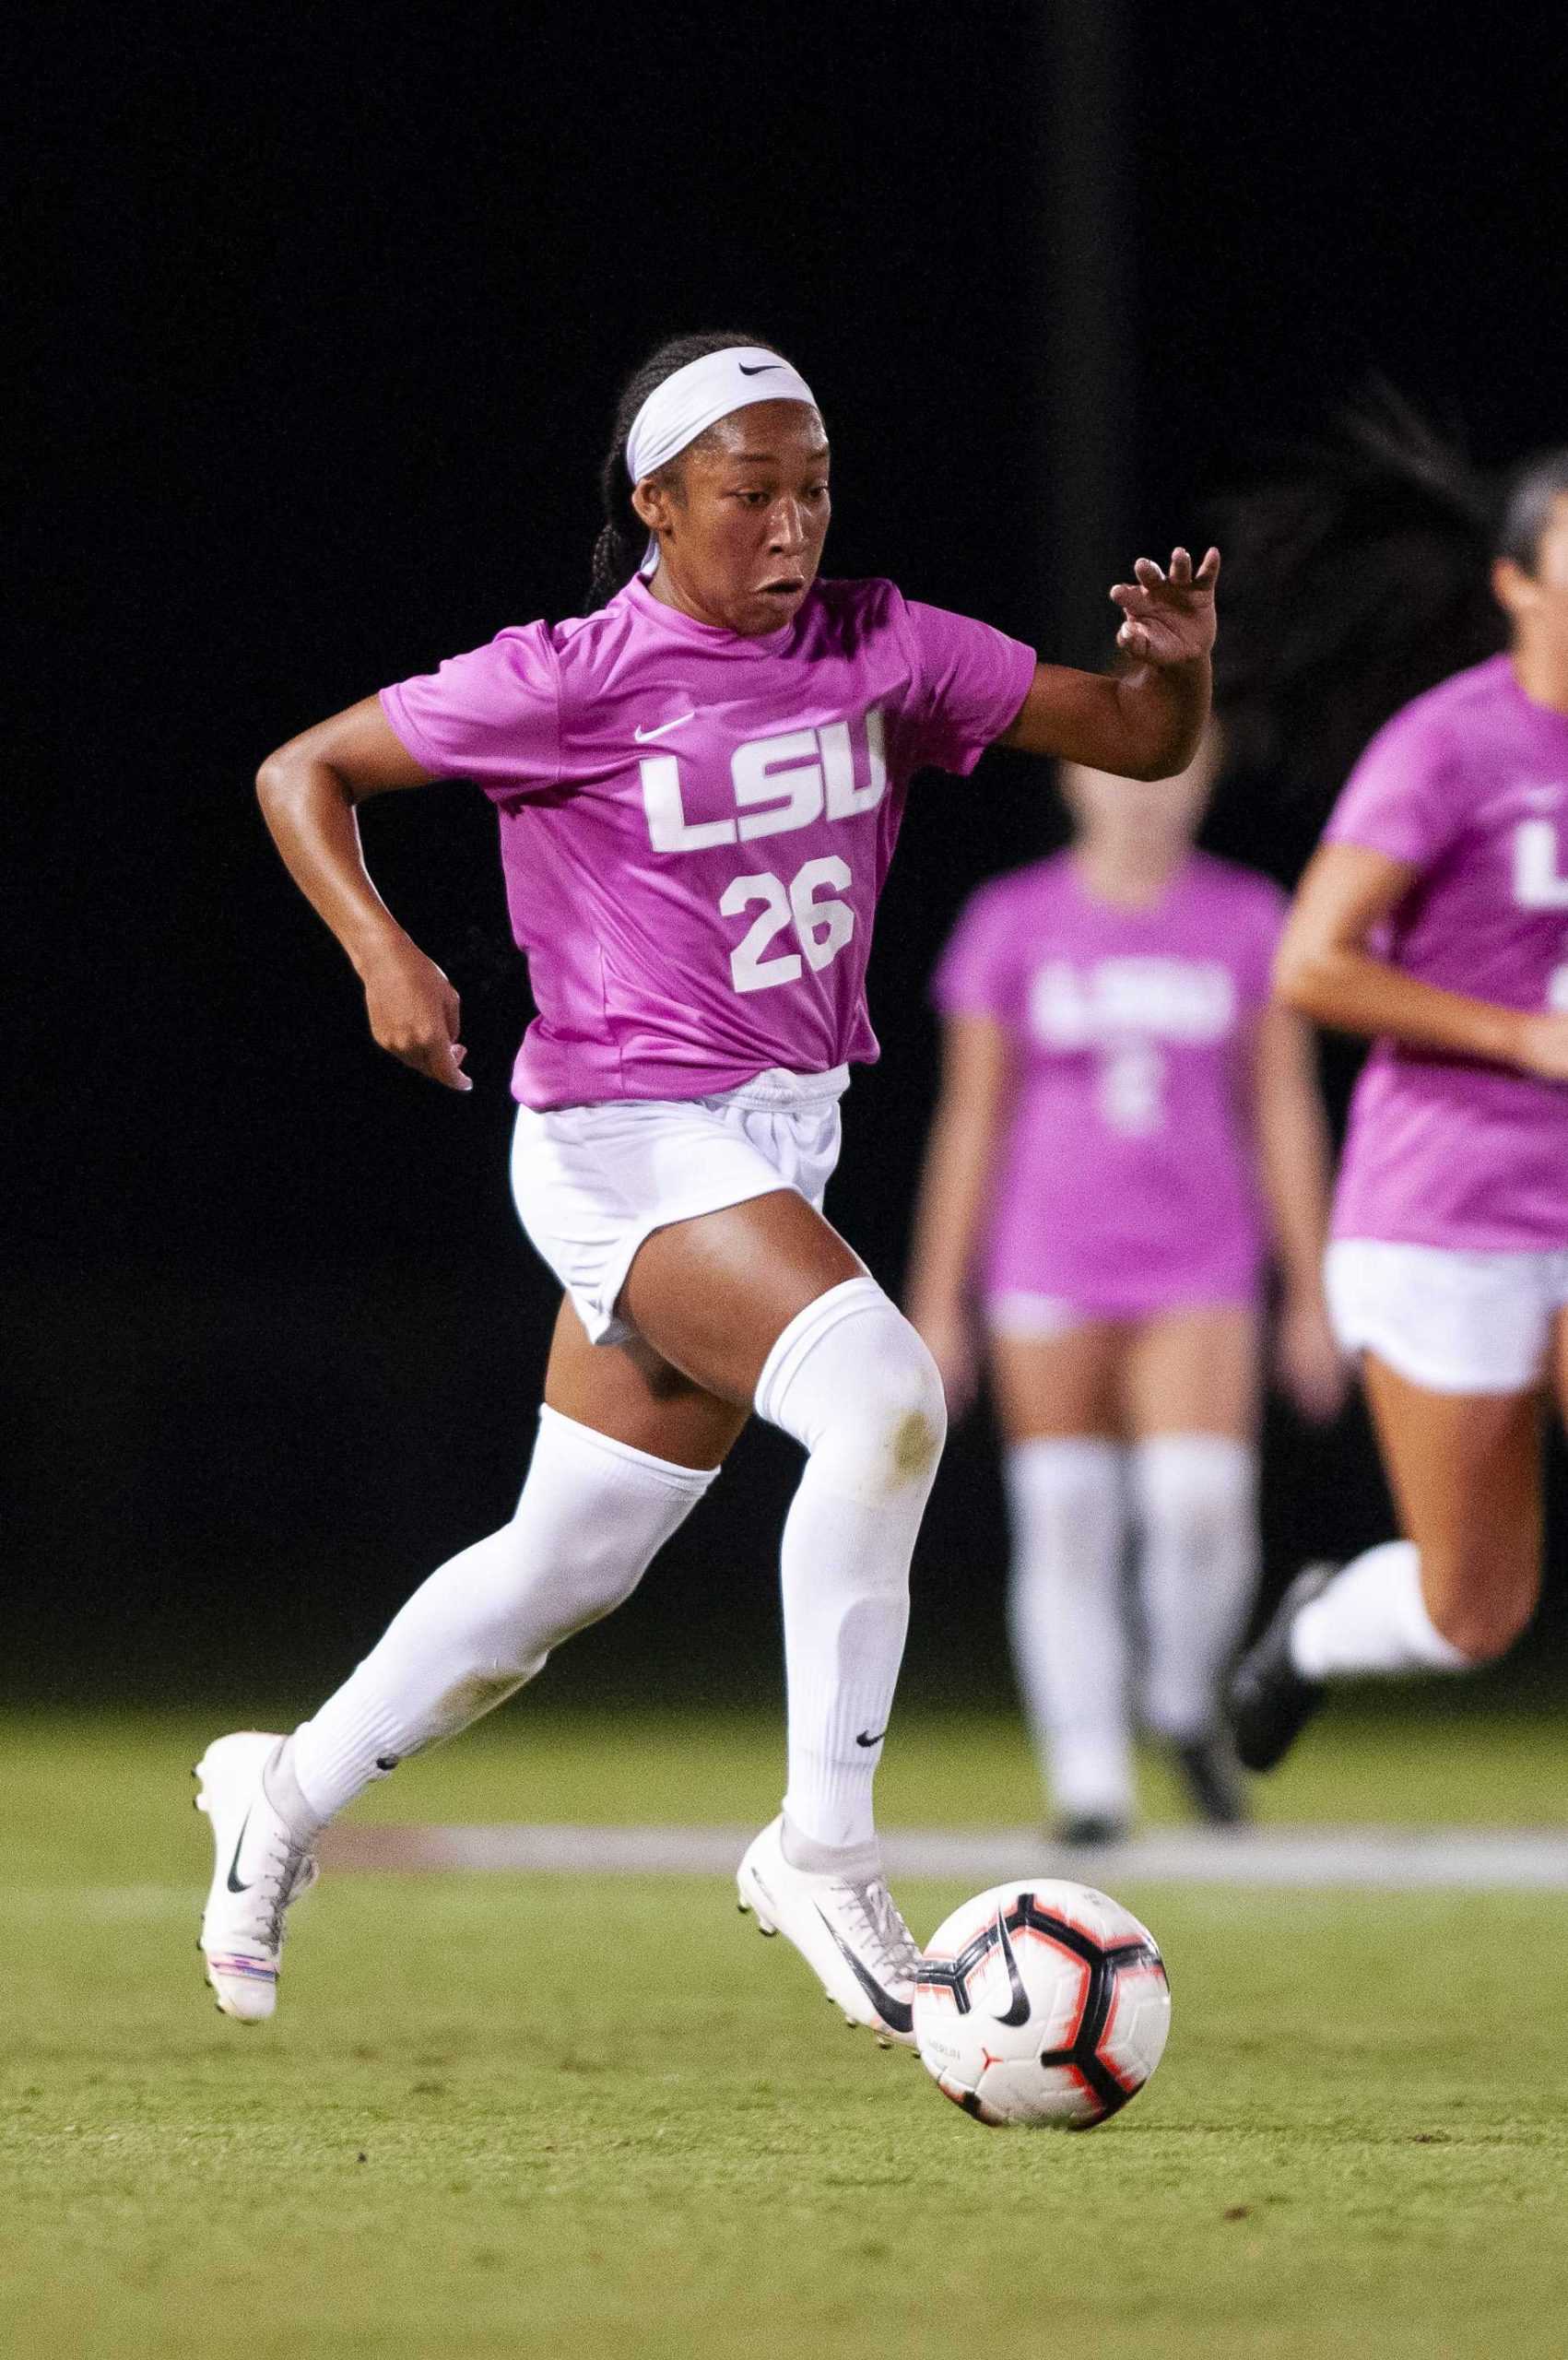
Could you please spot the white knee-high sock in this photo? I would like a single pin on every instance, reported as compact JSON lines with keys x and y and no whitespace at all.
{"x":1195,"y":1498}
{"x":591,"y":1516}
{"x":1067,"y":1512}
{"x":851,"y":1380}
{"x":1372,"y":1618}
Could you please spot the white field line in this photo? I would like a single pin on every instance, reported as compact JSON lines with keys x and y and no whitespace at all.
{"x":1386,"y":1859}
{"x":1396,"y":1859}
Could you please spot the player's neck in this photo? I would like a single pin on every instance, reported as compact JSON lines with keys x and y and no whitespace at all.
{"x":1133,"y":876}
{"x":663,"y":585}
{"x":1541,"y":667}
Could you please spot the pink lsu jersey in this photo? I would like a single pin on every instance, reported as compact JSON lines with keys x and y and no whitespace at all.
{"x":1126,"y":1181}
{"x":695,"y":827}
{"x":1469,"y":785}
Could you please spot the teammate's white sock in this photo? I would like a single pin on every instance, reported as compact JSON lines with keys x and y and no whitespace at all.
{"x":1065,"y":1503}
{"x":850,"y":1379}
{"x":1195,"y":1500}
{"x":1371,"y":1619}
{"x":591,"y":1516}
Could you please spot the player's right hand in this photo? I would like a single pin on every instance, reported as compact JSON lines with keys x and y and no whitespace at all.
{"x":1543,"y":1046}
{"x":415,"y":1014}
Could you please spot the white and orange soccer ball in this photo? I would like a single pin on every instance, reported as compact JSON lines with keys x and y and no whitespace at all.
{"x":1041,"y":2002}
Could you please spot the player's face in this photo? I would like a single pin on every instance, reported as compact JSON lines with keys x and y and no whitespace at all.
{"x":1163,"y":812}
{"x":1538,"y":601}
{"x":742,"y":527}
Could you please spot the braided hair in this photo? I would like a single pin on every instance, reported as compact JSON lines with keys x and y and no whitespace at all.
{"x":623,"y":536}
{"x":1355,"y":578}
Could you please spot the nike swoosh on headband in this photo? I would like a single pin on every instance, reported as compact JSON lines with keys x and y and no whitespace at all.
{"x":757,"y":369}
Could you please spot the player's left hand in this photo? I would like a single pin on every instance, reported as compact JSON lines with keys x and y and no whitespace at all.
{"x":1307,"y":1356}
{"x":1168,"y":618}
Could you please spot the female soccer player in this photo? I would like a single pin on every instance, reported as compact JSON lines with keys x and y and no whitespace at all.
{"x":1436,"y":919}
{"x":699,"y":786}
{"x":1114,"y":1087}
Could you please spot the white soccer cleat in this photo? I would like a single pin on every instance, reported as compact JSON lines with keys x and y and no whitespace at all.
{"x":851,"y":1935}
{"x":260,"y":1867}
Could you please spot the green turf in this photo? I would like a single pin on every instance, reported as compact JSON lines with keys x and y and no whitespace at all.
{"x":602,"y":2117}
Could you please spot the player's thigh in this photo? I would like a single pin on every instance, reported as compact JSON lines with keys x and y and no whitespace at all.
{"x":713,"y":1295}
{"x":1193,"y":1370}
{"x":630,"y":1393}
{"x":1046,"y":1386}
{"x":1465,"y":1469}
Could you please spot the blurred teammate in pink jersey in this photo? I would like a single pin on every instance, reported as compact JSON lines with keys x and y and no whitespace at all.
{"x":1126,"y":1132}
{"x":1434,"y":919}
{"x":697,"y":785}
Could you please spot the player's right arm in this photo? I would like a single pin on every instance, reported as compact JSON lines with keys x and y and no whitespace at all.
{"x":961,"y":1159}
{"x":1324,"y":968}
{"x":309,"y":791}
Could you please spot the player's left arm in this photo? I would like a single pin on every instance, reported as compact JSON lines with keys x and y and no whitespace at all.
{"x":1292,"y":1132}
{"x":1144,"y":722}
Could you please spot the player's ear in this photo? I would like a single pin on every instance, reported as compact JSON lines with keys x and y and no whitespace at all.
{"x":651,"y":499}
{"x":1512,"y":588}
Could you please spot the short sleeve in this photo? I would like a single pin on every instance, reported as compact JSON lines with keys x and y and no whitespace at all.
{"x":492,"y":715}
{"x":978,"y":973}
{"x":1399,"y":800}
{"x":972,"y":680}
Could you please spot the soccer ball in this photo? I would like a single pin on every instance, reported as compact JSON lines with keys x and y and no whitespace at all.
{"x":1041,"y":2002}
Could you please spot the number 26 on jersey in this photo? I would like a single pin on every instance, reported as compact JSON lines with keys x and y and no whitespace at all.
{"x":780,"y":784}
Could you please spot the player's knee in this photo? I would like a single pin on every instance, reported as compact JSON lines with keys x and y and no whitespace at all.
{"x":1484,"y":1628}
{"x":1199,"y":1489}
{"x":889,"y":1427}
{"x":1060,"y":1498}
{"x":853,"y":1382}
{"x":1483,"y":1603}
{"x":911,"y":1405}
{"x":1065,"y":1490}
{"x":539,"y":1605}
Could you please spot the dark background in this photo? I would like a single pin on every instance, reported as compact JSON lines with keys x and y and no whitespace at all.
{"x":324,"y":319}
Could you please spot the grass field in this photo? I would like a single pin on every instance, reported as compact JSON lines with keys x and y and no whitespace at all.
{"x":552,"y":2115}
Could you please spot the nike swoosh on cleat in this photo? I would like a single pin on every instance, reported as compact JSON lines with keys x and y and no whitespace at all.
{"x":661,"y":728}
{"x":896,"y":2014}
{"x":864,"y":1739}
{"x":1017,"y":2009}
{"x":758,"y":368}
{"x":233,"y":1885}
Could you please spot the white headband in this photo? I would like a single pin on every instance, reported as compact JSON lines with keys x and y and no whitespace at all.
{"x":697,"y":396}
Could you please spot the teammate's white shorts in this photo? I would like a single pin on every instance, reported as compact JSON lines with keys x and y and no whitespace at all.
{"x":1452,"y":1320}
{"x":1025,"y":1318}
{"x":1033,"y":1319}
{"x":590,"y":1183}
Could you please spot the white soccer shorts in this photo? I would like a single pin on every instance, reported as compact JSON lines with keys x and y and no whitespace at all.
{"x":1453,"y":1320}
{"x":1024,"y":1318}
{"x":590,"y":1183}
{"x":1033,"y":1319}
